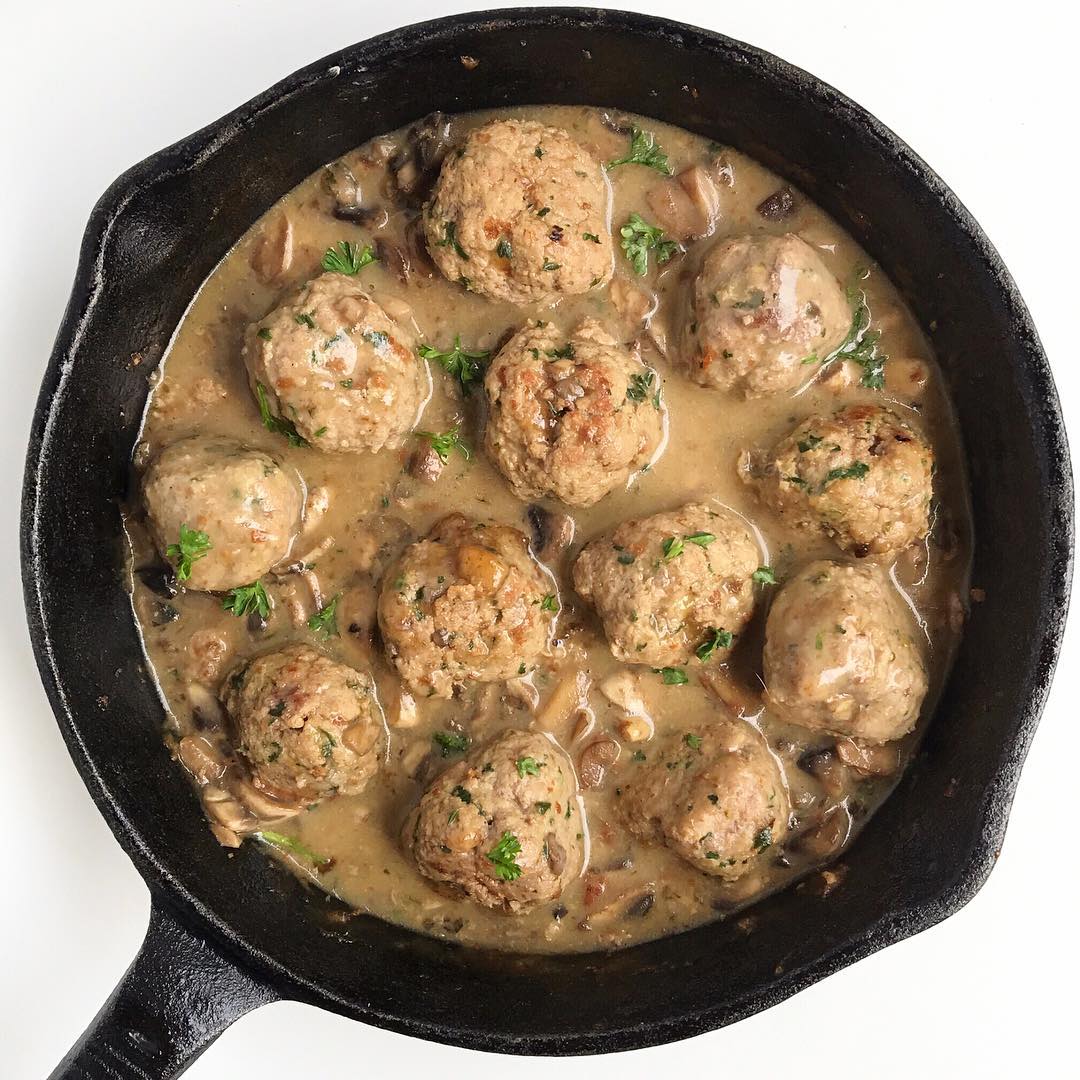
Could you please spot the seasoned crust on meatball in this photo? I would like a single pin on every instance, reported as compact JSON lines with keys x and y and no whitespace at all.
{"x":715,"y":796}
{"x":862,"y":476}
{"x":331,"y":361}
{"x":307,"y":725}
{"x":841,"y":654}
{"x":500,"y":825}
{"x":465,"y":603}
{"x":662,"y":584}
{"x":763,"y":305}
{"x":246,"y":503}
{"x":520,"y":213}
{"x":570,"y":416}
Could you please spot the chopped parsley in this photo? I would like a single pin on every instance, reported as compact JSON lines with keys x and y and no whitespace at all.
{"x":641,"y":387}
{"x":702,"y":539}
{"x":460,"y":793}
{"x":763,"y":839}
{"x":451,"y":742}
{"x":277,"y":424}
{"x":194,"y":544}
{"x":549,"y":265}
{"x":450,"y":240}
{"x":347,"y":258}
{"x":264,"y":333}
{"x":861,"y":345}
{"x":855,"y":471}
{"x":326,"y":744}
{"x":292,"y":846}
{"x":306,"y":320}
{"x":503,"y":248}
{"x":504,"y":857}
{"x":549,"y":603}
{"x":626,"y":559}
{"x":467,"y":367}
{"x":543,"y":807}
{"x":528,"y":766}
{"x":247,"y":599}
{"x":672,"y":676}
{"x":644,"y":150}
{"x":639,"y":238}
{"x":445,"y":443}
{"x":693,"y":741}
{"x":590,"y":236}
{"x":763,"y":575}
{"x":716,"y":639}
{"x":324,"y":621}
{"x":672,"y":547}
{"x":811,"y":442}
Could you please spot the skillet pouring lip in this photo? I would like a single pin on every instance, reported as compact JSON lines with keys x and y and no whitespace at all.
{"x":76,"y":474}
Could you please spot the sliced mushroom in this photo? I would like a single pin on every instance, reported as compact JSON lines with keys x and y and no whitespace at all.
{"x":201,"y":758}
{"x":624,"y":690}
{"x":266,"y":808}
{"x":206,"y":710}
{"x":871,"y":760}
{"x":827,"y":837}
{"x":595,"y":761}
{"x":778,"y":206}
{"x":425,"y":464}
{"x":741,"y":699}
{"x":687,"y":206}
{"x":571,"y":693}
{"x":315,"y":506}
{"x":522,"y":690}
{"x":635,"y":305}
{"x":552,"y":532}
{"x":414,"y":167}
{"x":826,"y":768}
{"x":273,"y":253}
{"x":222,"y":808}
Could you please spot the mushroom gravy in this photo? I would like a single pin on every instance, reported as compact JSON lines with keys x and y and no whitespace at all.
{"x":362,"y":509}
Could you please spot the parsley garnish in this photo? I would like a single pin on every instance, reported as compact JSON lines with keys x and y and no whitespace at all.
{"x":591,"y":236}
{"x":565,"y":353}
{"x":324,"y":621}
{"x":247,"y":599}
{"x":503,"y":249}
{"x":672,"y":676}
{"x":855,"y":471}
{"x":549,"y":603}
{"x":504,"y":855}
{"x":450,"y":240}
{"x":811,"y":442}
{"x":445,"y":443}
{"x":702,"y":539}
{"x":716,"y":639}
{"x":306,"y":320}
{"x":346,"y":258}
{"x":763,"y":839}
{"x":294,"y":847}
{"x":639,"y":238}
{"x":460,"y":793}
{"x":543,"y":807}
{"x":451,"y":742}
{"x":763,"y":575}
{"x":264,"y":333}
{"x":644,"y":150}
{"x":641,"y":386}
{"x":861,"y":345}
{"x":528,"y":766}
{"x":673,"y":548}
{"x":693,"y":741}
{"x":194,"y":544}
{"x":463,"y":365}
{"x":278,"y":424}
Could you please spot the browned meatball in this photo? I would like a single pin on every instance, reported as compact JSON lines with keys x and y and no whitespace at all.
{"x":666,"y":585}
{"x":841,"y":654}
{"x":245,"y":505}
{"x":570,"y":416}
{"x":862,"y":476}
{"x":763,"y":307}
{"x":308,"y":726}
{"x":715,"y":796}
{"x":501,"y":825}
{"x":333,"y":363}
{"x":519,"y":213}
{"x":466,"y":603}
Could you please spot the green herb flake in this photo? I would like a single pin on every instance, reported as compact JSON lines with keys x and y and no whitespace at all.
{"x":460,"y":793}
{"x":465,"y":366}
{"x":549,"y":265}
{"x":277,"y":424}
{"x":293,"y":847}
{"x":763,"y":839}
{"x":451,"y":742}
{"x":763,"y":575}
{"x":264,"y":333}
{"x":306,"y":320}
{"x":542,"y":807}
{"x":811,"y":442}
{"x":641,"y":385}
{"x":549,"y":603}
{"x":591,"y":237}
{"x":503,"y":249}
{"x":715,"y":639}
{"x":855,"y":471}
{"x":672,"y":547}
{"x":528,"y":766}
{"x":702,"y":539}
{"x":347,"y":258}
{"x":644,"y":150}
{"x":693,"y":741}
{"x":324,"y":621}
{"x":193,"y":546}
{"x":247,"y":600}
{"x":504,"y":857}
{"x":445,"y":443}
{"x":672,"y":676}
{"x":639,"y":238}
{"x":450,"y":240}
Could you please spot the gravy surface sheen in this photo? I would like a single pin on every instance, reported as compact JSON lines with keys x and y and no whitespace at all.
{"x":349,"y":845}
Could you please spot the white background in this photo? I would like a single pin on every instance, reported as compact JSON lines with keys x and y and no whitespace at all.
{"x":87,"y":89}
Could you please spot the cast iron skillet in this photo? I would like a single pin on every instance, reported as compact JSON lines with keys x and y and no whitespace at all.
{"x":231,"y":932}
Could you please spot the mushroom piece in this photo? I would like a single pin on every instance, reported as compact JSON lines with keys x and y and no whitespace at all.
{"x":826,"y":768}
{"x":425,"y":464}
{"x":595,"y":761}
{"x":570,"y":694}
{"x":778,"y":206}
{"x":826,"y":838}
{"x":552,"y":532}
{"x":687,"y":206}
{"x":273,"y":253}
{"x":882,"y":759}
{"x":415,"y":166}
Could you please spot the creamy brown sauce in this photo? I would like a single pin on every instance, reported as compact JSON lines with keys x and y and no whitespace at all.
{"x":375,"y":507}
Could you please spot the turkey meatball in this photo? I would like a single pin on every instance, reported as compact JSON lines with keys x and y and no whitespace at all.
{"x":715,"y":796}
{"x":667,"y":585}
{"x":571,"y":417}
{"x":841,"y":654}
{"x":862,"y":476}
{"x":501,"y":825}
{"x":331,"y":362}
{"x":306,"y":725}
{"x":520,"y":213}
{"x":238,"y":509}
{"x":467,"y":603}
{"x":762,"y":307}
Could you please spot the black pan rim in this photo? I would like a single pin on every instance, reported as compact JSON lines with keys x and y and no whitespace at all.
{"x":185,"y":154}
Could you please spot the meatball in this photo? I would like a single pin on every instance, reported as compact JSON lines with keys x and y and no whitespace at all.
{"x":468,"y":602}
{"x":764,"y":307}
{"x":245,"y":503}
{"x":501,"y":825}
{"x":841,"y":654}
{"x":667,"y":585}
{"x":334,"y":364}
{"x":716,"y":797}
{"x":570,"y":417}
{"x":862,"y":476}
{"x":307,"y":726}
{"x":520,"y":213}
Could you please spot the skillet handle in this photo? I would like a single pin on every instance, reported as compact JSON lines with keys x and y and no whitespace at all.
{"x":177,"y":997}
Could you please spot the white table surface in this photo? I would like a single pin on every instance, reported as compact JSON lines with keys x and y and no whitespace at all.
{"x":91,"y":88}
